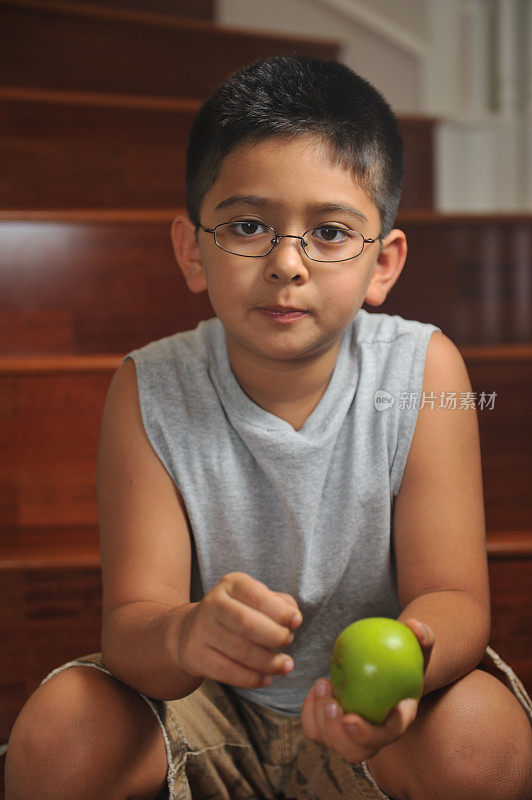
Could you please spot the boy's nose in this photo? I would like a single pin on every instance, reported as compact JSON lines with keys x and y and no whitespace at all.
{"x":286,"y":262}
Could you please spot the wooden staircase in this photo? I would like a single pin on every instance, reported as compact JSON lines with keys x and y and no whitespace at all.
{"x":95,"y":105}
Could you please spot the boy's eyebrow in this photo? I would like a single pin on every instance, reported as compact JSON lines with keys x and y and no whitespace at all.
{"x":331,"y":208}
{"x":319,"y":208}
{"x":244,"y":199}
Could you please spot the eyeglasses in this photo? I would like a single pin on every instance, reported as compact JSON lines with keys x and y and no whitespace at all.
{"x":251,"y":239}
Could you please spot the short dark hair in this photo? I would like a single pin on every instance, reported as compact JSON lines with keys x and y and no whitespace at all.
{"x":289,"y":96}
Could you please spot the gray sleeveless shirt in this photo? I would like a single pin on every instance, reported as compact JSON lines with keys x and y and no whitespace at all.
{"x":307,"y":512}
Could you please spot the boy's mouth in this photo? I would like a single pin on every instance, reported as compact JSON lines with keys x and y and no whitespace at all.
{"x":283,"y":313}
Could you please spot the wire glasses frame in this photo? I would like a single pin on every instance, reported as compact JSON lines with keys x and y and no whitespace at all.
{"x":278,"y":236}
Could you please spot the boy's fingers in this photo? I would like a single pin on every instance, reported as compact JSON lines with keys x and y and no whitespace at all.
{"x":336,"y":735}
{"x":401,"y":717}
{"x":425,"y":636}
{"x":256,"y":594}
{"x":308,"y":716}
{"x":220,"y":668}
{"x":350,"y":735}
{"x":252,"y":625}
{"x":324,"y":701}
{"x":376,"y":736}
{"x":287,"y":597}
{"x":298,"y":619}
{"x":424,"y":633}
{"x":248,"y":654}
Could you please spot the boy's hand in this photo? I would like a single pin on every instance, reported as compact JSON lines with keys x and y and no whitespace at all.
{"x":350,"y":735}
{"x":235,"y":633}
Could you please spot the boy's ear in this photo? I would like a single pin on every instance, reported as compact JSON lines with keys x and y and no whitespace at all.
{"x":187,"y":253}
{"x":389,"y":265}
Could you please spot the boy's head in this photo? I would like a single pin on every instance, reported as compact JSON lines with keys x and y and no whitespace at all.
{"x":291,"y":96}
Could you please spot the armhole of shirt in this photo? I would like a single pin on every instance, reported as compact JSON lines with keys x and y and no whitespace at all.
{"x":407,"y":417}
{"x":158,"y":449}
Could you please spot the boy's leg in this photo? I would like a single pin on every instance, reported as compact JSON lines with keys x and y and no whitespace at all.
{"x":470,"y":741}
{"x":83,"y":735}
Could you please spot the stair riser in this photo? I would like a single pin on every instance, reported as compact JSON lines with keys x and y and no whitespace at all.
{"x":50,"y":49}
{"x":109,"y":286}
{"x":68,"y":154}
{"x":49,"y":428}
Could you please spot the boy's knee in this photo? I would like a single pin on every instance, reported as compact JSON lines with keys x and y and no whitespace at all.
{"x":488,"y":742}
{"x":481,"y":741}
{"x":472,"y":741}
{"x":65,"y":731}
{"x":50,"y":738}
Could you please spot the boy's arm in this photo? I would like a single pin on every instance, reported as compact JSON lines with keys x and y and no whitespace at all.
{"x":439,"y":530}
{"x":153,"y":638}
{"x":441,"y":561}
{"x":145,"y":549}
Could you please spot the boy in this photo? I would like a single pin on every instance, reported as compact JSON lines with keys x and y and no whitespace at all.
{"x":254,"y":501}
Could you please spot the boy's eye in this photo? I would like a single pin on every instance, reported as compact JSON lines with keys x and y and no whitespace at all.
{"x":247,"y":227}
{"x":332,"y":235}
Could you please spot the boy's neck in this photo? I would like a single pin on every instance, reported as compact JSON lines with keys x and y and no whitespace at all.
{"x":290,"y":390}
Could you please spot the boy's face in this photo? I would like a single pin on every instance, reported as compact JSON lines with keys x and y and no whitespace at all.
{"x":290,"y":186}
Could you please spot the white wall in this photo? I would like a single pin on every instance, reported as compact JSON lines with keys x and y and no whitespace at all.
{"x":468,"y":62}
{"x":373,"y":42}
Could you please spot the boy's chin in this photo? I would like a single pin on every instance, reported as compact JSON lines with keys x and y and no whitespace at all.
{"x":282,"y":347}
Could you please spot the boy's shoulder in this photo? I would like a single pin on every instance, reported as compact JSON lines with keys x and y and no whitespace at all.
{"x":373,"y":328}
{"x":180,"y":348}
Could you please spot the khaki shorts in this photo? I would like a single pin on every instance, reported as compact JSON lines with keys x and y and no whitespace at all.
{"x":219,"y":745}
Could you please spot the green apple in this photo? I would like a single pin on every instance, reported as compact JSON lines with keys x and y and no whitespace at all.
{"x":376,"y":663}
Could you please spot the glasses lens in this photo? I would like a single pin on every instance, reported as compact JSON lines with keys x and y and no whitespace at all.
{"x":245,"y":238}
{"x":333,"y":243}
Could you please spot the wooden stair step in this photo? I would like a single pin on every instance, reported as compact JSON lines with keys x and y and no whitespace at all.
{"x":60,"y":150}
{"x":502,"y":545}
{"x":504,"y":431}
{"x":66,"y":149}
{"x":49,"y":561}
{"x":107,"y":281}
{"x":50,"y":413}
{"x":91,"y":282}
{"x":195,"y":9}
{"x":70,"y":546}
{"x":50,"y":547}
{"x":53,"y":615}
{"x":470,"y":274}
{"x":89,"y":47}
{"x":52,"y":579}
{"x":50,"y":417}
{"x":418,"y":133}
